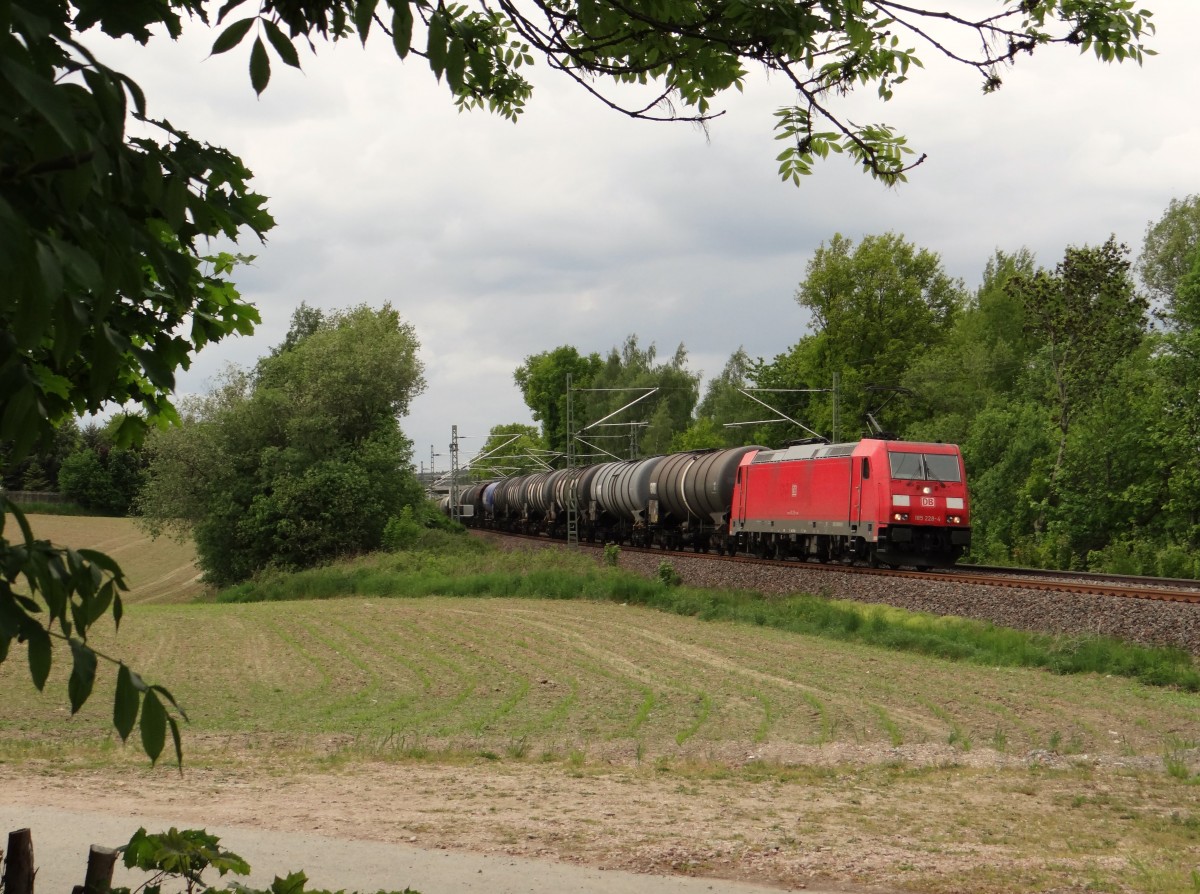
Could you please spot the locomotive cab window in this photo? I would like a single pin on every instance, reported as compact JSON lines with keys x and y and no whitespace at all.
{"x":925,"y":467}
{"x":866,"y":468}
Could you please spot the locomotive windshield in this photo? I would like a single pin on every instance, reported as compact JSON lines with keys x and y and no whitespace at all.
{"x":925,"y":466}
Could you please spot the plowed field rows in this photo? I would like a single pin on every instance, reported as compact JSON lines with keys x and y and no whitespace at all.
{"x":157,"y":570}
{"x":613,"y":682}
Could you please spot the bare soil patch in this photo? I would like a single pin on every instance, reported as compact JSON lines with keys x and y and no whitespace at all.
{"x":909,"y":819}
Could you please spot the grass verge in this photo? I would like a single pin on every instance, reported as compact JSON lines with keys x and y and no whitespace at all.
{"x":445,"y":565}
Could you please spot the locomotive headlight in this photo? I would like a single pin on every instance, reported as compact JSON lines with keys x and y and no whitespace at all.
{"x":927,"y":489}
{"x":900,"y":516}
{"x":954,"y":519}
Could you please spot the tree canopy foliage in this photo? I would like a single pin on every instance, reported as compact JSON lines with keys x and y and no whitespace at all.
{"x":511,"y":449}
{"x":687,"y":54}
{"x":874,"y":306}
{"x":625,"y":404}
{"x":1169,"y":245}
{"x":302,"y":460}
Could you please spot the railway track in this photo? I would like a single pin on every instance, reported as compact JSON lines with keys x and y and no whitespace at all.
{"x":1074,"y":582}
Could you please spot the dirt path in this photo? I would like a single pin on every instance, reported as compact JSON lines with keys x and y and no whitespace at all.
{"x":62,"y":838}
{"x":593,"y":830}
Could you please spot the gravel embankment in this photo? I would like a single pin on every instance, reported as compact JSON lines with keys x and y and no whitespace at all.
{"x":1140,"y":620}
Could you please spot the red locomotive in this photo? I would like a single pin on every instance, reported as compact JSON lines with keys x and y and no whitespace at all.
{"x":883,"y":502}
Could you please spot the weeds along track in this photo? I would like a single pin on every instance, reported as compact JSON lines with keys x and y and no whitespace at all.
{"x":1026,"y":603}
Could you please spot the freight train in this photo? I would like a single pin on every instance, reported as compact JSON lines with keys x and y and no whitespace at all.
{"x":879,"y":502}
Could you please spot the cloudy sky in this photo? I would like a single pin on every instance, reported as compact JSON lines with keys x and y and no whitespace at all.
{"x":577,"y":226}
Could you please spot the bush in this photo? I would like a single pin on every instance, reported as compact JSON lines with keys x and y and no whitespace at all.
{"x":1177,"y":561}
{"x":402,"y":531}
{"x":84,"y":479}
{"x":668,"y":576}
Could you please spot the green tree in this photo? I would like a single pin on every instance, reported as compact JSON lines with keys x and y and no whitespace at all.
{"x":798,"y":385}
{"x":306,"y":320}
{"x":99,"y":475}
{"x":702,"y":434}
{"x":1088,"y":316}
{"x":542,"y":379}
{"x":1167,"y":250}
{"x":875,"y":308}
{"x":724,"y":406}
{"x":637,"y":405}
{"x":85,"y":480}
{"x":982,"y":358}
{"x":1111,"y":487}
{"x":1008,"y":458}
{"x":1176,"y":431}
{"x":65,"y":440}
{"x":301,"y":461}
{"x":512,"y":449}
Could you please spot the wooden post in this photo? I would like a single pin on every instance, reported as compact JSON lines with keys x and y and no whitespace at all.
{"x":99,"y":871}
{"x":18,"y":867}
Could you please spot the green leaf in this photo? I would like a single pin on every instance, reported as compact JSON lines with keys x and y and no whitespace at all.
{"x":83,"y":674}
{"x":126,"y":702}
{"x":456,"y":64}
{"x":104,"y":560}
{"x":364,"y":12}
{"x":153,"y":726}
{"x":41,"y":94}
{"x":293,"y":884}
{"x":232,"y":36}
{"x":178,"y":743}
{"x":260,"y":66}
{"x":174,"y":206}
{"x":165,"y":693}
{"x":282,"y":45}
{"x":39,"y":654}
{"x":402,"y":28}
{"x":436,"y":46}
{"x":228,"y":8}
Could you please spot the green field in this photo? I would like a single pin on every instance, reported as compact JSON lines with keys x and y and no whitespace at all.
{"x":1110,"y":765}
